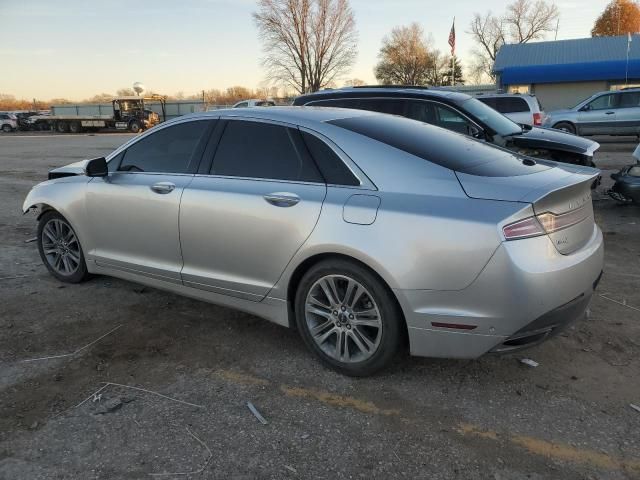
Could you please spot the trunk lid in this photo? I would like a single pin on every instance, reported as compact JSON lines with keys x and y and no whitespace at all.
{"x":559,"y":196}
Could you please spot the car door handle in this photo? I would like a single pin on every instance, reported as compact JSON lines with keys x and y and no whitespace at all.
{"x":609,"y":113}
{"x":282,"y":199}
{"x":163,"y":187}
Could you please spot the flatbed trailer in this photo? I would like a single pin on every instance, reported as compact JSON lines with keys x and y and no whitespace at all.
{"x":124,"y":113}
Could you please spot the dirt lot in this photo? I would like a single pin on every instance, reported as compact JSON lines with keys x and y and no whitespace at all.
{"x":493,"y":418}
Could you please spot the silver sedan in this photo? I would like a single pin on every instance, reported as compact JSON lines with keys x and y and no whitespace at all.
{"x":362,"y":230}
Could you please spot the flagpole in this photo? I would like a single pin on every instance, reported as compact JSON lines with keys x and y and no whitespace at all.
{"x":626,"y":75}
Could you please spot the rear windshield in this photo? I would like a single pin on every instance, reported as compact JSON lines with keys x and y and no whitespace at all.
{"x":437,"y":145}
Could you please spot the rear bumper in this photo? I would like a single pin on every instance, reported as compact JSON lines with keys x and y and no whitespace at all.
{"x":525,"y":294}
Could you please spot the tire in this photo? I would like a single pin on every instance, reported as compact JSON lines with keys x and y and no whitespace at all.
{"x":64,"y":257}
{"x":62,"y":127}
{"x":368,"y":348}
{"x":6,"y":128}
{"x":75,"y":127}
{"x":565,"y":127}
{"x":134,"y":126}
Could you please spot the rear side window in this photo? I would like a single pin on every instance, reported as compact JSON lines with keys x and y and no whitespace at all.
{"x":263,"y":150}
{"x":442,"y":147}
{"x":333,"y":169}
{"x":169,"y":150}
{"x":629,"y":99}
{"x":511,"y":105}
{"x":489,"y":101}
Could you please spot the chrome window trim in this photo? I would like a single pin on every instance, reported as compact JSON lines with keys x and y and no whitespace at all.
{"x":365,"y":182}
{"x":151,"y":131}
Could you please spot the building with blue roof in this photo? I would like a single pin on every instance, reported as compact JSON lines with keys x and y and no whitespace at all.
{"x":562,"y":73}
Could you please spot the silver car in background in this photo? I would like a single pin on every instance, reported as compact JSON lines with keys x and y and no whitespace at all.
{"x":605,"y":113}
{"x":363,"y":230}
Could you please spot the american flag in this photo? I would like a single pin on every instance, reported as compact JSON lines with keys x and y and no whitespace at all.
{"x":452,"y":38}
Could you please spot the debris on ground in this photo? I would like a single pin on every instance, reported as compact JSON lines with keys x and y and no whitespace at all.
{"x":196,"y":472}
{"x":529,"y":362}
{"x":256,"y":413}
{"x":30,"y":240}
{"x":109,"y":406}
{"x":291,"y":469}
{"x":635,"y":407}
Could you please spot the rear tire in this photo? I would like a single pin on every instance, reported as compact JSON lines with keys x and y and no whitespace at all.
{"x":62,"y":127}
{"x":60,"y":249}
{"x":565,"y":127}
{"x":355,"y":328}
{"x":75,"y":127}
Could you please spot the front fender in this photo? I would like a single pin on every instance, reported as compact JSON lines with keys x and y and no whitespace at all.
{"x":64,"y":195}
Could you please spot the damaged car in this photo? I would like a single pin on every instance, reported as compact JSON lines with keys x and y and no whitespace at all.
{"x":294,"y":215}
{"x":460,"y":113}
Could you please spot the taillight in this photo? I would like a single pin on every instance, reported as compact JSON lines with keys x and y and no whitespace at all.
{"x":543,"y":223}
{"x":529,"y":227}
{"x":537,"y":119}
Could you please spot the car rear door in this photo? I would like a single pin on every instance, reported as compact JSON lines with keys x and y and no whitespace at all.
{"x":248,"y":211}
{"x":628,"y":114}
{"x":598,"y":117}
{"x":134,"y":210}
{"x":515,"y":108}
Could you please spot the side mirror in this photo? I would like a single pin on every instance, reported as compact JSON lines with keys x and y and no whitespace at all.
{"x":477,"y":133}
{"x":97,"y":168}
{"x":586,"y":108}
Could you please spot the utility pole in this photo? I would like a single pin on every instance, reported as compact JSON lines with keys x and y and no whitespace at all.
{"x":557,"y":26}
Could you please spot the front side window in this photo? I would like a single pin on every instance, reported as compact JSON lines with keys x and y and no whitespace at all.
{"x":603,"y":102}
{"x":263,"y":150}
{"x":169,"y":150}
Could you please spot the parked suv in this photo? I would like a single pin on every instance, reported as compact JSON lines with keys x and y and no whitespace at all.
{"x":605,"y":113}
{"x":461,"y":113}
{"x":8,"y":122}
{"x":522,"y":109}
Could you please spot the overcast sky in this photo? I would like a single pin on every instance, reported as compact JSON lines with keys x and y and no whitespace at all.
{"x":76,"y":48}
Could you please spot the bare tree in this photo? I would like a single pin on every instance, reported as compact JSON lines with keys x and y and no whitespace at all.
{"x":405,"y":57}
{"x":308,"y":43}
{"x":523,"y":21}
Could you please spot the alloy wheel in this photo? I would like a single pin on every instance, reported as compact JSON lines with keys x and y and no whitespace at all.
{"x":343,"y":318}
{"x":61,"y":247}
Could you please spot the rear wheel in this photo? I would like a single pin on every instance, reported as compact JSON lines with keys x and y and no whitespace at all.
{"x":565,"y":127}
{"x":62,"y":127}
{"x":60,"y":249}
{"x":75,"y":127}
{"x":348,"y":317}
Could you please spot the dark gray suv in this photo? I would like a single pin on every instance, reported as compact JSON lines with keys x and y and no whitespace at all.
{"x":461,"y":113}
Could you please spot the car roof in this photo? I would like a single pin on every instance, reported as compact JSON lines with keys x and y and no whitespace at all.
{"x":295,"y":115}
{"x":384,"y":90}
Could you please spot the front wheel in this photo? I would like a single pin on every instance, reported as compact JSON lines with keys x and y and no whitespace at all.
{"x":348,"y":317}
{"x":60,"y":249}
{"x":134,"y":126}
{"x":6,"y":128}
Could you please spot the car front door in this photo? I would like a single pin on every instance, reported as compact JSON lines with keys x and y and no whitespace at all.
{"x":134,"y":210}
{"x":244,"y":218}
{"x":628,"y":114}
{"x":598,"y":117}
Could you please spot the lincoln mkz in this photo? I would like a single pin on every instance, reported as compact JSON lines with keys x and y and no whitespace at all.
{"x":366,"y":232}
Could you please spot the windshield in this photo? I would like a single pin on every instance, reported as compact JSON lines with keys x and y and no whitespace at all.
{"x":491,"y":118}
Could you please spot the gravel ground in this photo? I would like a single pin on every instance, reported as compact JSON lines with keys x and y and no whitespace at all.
{"x":199,"y":365}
